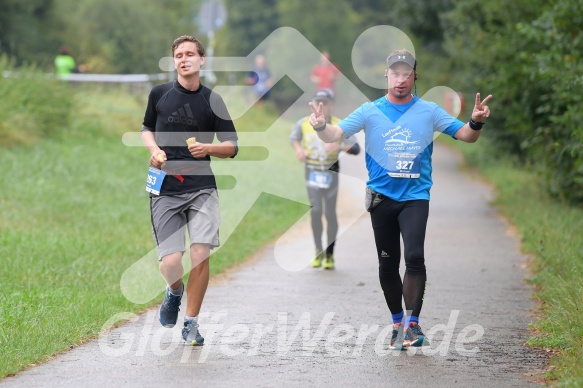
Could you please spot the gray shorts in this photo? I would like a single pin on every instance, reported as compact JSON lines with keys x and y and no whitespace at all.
{"x":198,"y":210}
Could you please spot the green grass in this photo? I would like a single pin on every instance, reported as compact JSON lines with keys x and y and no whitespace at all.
{"x":75,"y":217}
{"x":552,"y":233}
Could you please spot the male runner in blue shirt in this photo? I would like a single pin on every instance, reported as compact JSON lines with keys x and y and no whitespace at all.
{"x":399,"y":129}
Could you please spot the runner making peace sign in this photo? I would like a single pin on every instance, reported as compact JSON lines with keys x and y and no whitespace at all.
{"x":399,"y":129}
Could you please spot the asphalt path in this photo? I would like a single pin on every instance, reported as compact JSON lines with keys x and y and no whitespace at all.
{"x":269,"y":325}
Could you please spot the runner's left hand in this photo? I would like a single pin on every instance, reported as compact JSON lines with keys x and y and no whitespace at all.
{"x":481,"y":110}
{"x":198,"y":150}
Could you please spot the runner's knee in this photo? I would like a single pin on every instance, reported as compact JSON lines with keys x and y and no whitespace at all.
{"x":172,"y":261}
{"x":415,"y":265}
{"x":388,"y":265}
{"x":316,"y":210}
{"x":199,"y":252}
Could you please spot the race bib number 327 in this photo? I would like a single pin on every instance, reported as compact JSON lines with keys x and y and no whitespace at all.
{"x":403,"y":165}
{"x":154,"y":180}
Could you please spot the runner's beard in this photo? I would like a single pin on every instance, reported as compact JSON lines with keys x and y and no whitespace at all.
{"x":401,"y":94}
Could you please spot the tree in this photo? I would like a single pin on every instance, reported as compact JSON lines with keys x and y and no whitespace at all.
{"x":249,"y":23}
{"x":121,"y":37}
{"x":420,"y":18}
{"x":112,"y":36}
{"x":486,"y":57}
{"x":528,"y":54}
{"x":558,"y":136}
{"x":23,"y":29}
{"x":329,"y":25}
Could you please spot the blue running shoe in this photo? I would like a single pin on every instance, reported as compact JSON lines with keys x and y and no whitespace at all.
{"x":169,"y":309}
{"x":415,"y":337}
{"x":191,"y":335}
{"x":397,"y":338}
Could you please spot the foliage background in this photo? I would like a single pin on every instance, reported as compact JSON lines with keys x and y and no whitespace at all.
{"x":527,"y":53}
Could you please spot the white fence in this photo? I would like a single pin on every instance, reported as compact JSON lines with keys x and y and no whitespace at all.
{"x":105,"y":78}
{"x":117,"y":78}
{"x":136,"y":82}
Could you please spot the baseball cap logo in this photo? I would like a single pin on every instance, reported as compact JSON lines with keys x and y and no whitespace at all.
{"x":407,"y":58}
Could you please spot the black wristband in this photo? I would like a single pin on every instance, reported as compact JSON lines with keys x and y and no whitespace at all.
{"x":474,"y":125}
{"x":320,"y":129}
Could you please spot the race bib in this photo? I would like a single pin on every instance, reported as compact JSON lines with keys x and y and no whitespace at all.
{"x":320,"y":179}
{"x":404,"y":165}
{"x":154,"y":180}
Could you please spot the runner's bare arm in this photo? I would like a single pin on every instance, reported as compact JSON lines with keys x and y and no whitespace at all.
{"x":479,"y":115}
{"x":157,"y":156}
{"x":223,"y":150}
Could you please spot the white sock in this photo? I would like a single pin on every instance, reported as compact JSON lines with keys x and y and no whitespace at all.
{"x":178,"y":291}
{"x":193,"y":319}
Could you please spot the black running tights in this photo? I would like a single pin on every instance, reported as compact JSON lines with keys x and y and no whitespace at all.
{"x":391,"y":220}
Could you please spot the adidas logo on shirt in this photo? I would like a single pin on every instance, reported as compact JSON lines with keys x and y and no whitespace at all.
{"x":384,"y":254}
{"x":183,"y":116}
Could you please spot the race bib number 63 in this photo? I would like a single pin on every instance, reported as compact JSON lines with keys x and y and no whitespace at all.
{"x":154,"y":180}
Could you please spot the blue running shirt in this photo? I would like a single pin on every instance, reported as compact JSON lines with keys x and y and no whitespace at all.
{"x":399,"y":144}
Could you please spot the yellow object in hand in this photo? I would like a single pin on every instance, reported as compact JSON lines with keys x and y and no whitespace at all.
{"x":161,"y":158}
{"x":191,"y":140}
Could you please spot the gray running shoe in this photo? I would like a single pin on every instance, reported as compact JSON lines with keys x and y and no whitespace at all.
{"x":397,"y":338}
{"x":415,"y":337}
{"x":169,"y":309}
{"x":191,"y":335}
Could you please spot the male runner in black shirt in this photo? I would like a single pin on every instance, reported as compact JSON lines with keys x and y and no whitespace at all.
{"x":187,"y":197}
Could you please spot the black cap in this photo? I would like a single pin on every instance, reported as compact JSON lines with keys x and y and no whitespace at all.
{"x":402,"y":56}
{"x":324,"y":94}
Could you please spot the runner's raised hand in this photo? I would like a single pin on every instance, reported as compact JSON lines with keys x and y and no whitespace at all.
{"x":317,"y":119}
{"x":481,"y":110}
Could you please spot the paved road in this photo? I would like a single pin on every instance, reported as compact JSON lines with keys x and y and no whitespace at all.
{"x":267,"y":326}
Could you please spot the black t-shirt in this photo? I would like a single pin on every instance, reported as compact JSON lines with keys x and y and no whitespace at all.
{"x":174,"y":114}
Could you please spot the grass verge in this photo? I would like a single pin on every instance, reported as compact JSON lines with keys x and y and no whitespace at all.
{"x":75,"y":216}
{"x":551,"y":233}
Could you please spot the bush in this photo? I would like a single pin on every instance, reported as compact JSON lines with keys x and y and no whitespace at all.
{"x":33,"y":105}
{"x":558,"y":139}
{"x":533,"y":68}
